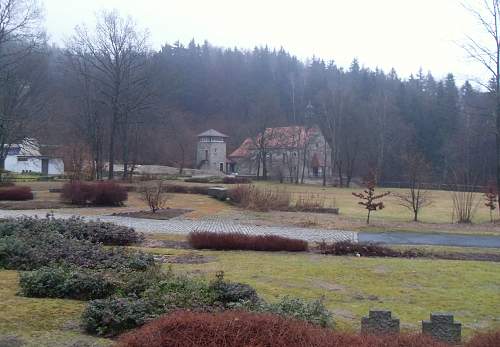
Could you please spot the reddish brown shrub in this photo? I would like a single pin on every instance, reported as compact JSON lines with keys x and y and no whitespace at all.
{"x":489,"y":339}
{"x":236,"y":328}
{"x":260,"y":199}
{"x":184,"y":189}
{"x":365,"y":249}
{"x":16,"y":193}
{"x":95,"y":193}
{"x":236,"y":180}
{"x":241,"y":241}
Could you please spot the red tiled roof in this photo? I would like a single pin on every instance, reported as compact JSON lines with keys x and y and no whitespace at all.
{"x":277,"y":138}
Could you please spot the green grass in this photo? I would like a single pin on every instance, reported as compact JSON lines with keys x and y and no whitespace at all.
{"x":40,"y":322}
{"x":352,"y":286}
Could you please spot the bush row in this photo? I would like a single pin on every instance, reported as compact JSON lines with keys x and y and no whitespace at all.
{"x":240,"y":328}
{"x":65,"y":283}
{"x":260,"y":199}
{"x":102,"y":193}
{"x":75,"y":227}
{"x":29,"y":244}
{"x":86,"y":284}
{"x":365,"y":250}
{"x":112,"y":316}
{"x":185,"y":189}
{"x":16,"y":193}
{"x":241,"y":241}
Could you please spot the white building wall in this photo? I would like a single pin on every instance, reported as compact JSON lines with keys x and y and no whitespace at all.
{"x":30,"y":164}
{"x":56,"y":166}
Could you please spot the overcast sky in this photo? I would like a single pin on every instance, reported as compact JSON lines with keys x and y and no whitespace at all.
{"x":404,"y":34}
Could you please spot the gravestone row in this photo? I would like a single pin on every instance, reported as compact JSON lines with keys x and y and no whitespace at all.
{"x":441,"y":326}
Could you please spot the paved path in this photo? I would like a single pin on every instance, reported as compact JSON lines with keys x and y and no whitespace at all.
{"x":408,"y":238}
{"x":184,"y":226}
{"x":181,"y":225}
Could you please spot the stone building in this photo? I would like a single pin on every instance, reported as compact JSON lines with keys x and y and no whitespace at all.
{"x":288,"y":152}
{"x":211,"y":152}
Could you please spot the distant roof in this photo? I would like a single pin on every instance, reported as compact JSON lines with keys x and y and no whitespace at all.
{"x":212,"y":132}
{"x":277,"y":138}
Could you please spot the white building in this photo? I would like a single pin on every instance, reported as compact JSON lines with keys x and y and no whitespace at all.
{"x":26,"y":158}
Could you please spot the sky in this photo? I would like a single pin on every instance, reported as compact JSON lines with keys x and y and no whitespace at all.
{"x":404,"y":34}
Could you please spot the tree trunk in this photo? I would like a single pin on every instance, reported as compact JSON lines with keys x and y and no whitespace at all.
{"x":497,"y":139}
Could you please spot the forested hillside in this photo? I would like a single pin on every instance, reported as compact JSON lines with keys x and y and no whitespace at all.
{"x":107,"y":96}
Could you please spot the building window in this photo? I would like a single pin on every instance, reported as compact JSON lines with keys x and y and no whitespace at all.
{"x":221,"y":167}
{"x":206,"y":154}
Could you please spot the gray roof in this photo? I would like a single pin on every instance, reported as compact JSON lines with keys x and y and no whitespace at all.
{"x":213,"y":133}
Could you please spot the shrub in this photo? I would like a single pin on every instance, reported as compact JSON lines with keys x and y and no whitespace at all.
{"x":365,"y":249}
{"x":200,"y":179}
{"x":241,"y":241}
{"x":112,"y":316}
{"x":102,"y":193}
{"x":236,"y":180}
{"x":16,"y":193}
{"x":64,"y":283}
{"x":184,"y":189}
{"x":488,"y":339}
{"x":180,"y":292}
{"x":155,"y":196}
{"x":236,"y":328}
{"x":229,"y":292}
{"x":32,"y":251}
{"x":313,"y":312}
{"x":74,"y":227}
{"x":134,"y":283}
{"x":260,"y":199}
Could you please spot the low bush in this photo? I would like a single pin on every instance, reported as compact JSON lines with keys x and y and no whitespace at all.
{"x":487,"y":339}
{"x":64,"y":283}
{"x":238,"y":328}
{"x":180,"y":292}
{"x":313,"y":312}
{"x":32,"y":251}
{"x":16,"y":193}
{"x":236,"y":180}
{"x":94,"y":231}
{"x":185,"y":189}
{"x":365,"y":250}
{"x":260,"y":199}
{"x":102,"y":193}
{"x":112,"y":316}
{"x":241,"y":241}
{"x":230,"y":292}
{"x":201,"y":179}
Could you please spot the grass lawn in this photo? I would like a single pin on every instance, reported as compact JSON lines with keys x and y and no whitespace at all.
{"x":40,"y":322}
{"x":351,"y":286}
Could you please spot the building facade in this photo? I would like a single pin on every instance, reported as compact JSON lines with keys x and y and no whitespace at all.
{"x":211,"y":152}
{"x":26,"y":158}
{"x":284,"y":153}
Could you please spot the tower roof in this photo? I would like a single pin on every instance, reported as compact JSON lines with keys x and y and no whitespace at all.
{"x":213,"y":133}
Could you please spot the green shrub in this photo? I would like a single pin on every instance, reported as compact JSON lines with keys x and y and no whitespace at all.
{"x":313,"y":312}
{"x":64,"y":283}
{"x":112,"y":316}
{"x":178,"y":292}
{"x":229,"y":292}
{"x":94,"y":231}
{"x":134,"y":283}
{"x":30,"y":252}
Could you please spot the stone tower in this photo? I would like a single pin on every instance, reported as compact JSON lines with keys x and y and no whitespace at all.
{"x":211,"y":151}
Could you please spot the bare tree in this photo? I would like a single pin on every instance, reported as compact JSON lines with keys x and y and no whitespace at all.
{"x":487,"y":53}
{"x":369,"y":199}
{"x":416,"y":197}
{"x":464,"y":198}
{"x":116,"y":51}
{"x":22,"y":70}
{"x":154,"y":195}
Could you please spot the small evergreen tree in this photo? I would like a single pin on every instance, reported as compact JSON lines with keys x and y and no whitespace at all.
{"x":490,"y":196}
{"x":369,"y":198}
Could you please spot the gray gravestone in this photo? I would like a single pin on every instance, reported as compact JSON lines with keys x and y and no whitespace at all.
{"x":379,"y":322}
{"x":442,"y":327}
